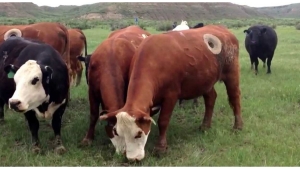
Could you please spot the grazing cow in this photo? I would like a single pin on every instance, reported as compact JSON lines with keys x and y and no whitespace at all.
{"x":35,"y":82}
{"x":196,"y":59}
{"x":54,"y":34}
{"x":182,"y":26}
{"x":77,"y":43}
{"x":108,"y":74}
{"x":261,"y":42}
{"x":199,"y":25}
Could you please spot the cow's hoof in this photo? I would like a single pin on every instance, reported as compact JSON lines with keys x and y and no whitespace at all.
{"x":204,"y":127}
{"x":268,"y":72}
{"x":238,"y":127}
{"x":36,"y":150}
{"x":2,"y":121}
{"x":60,"y":150}
{"x":86,"y":142}
{"x":160,"y":149}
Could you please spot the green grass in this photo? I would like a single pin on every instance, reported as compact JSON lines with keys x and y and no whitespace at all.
{"x":270,"y":109}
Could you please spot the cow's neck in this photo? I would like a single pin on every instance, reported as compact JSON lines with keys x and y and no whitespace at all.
{"x":139,"y":97}
{"x":113,"y":92}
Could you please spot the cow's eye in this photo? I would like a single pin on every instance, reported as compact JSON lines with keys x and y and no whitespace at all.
{"x":115,"y":131}
{"x":139,"y":134}
{"x":34,"y":80}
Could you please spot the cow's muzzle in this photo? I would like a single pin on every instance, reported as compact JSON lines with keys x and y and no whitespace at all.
{"x":15,"y":104}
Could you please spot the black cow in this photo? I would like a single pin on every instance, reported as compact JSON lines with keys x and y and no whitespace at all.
{"x":199,"y":25}
{"x":34,"y":81}
{"x":86,"y":61}
{"x":261,"y":42}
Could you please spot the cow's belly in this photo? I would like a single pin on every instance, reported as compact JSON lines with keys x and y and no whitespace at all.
{"x":195,"y":85}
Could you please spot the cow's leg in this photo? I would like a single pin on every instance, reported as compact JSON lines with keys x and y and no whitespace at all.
{"x":78,"y":77}
{"x":234,"y":97}
{"x":256,"y":65}
{"x":209,"y":101}
{"x":163,"y":122}
{"x":251,"y":62}
{"x":195,"y":101}
{"x":34,"y":126}
{"x":2,"y":103}
{"x":94,"y":116}
{"x":56,"y":125}
{"x":269,"y":60}
{"x":79,"y":73}
{"x":180,"y":102}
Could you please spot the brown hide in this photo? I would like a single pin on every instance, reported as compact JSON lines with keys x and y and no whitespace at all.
{"x":77,"y":41}
{"x":132,"y":28}
{"x":108,"y":73}
{"x":54,"y":34}
{"x":179,"y":65}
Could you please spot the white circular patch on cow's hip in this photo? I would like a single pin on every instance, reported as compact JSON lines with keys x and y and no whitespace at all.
{"x":12,"y":32}
{"x":213,"y":43}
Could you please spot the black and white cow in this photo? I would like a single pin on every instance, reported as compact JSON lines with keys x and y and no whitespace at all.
{"x":34,"y":81}
{"x":260,"y":42}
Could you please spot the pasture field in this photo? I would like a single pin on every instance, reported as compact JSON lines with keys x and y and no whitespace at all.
{"x":270,"y":110}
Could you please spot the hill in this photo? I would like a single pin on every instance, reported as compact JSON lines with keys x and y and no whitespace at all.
{"x":151,"y":11}
{"x":286,"y":11}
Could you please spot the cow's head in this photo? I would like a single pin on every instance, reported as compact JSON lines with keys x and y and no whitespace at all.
{"x":255,"y":35}
{"x":86,"y":61}
{"x":129,"y":132}
{"x":32,"y":85}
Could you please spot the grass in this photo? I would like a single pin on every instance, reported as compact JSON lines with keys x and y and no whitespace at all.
{"x":270,"y":108}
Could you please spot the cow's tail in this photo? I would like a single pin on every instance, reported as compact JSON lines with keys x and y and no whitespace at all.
{"x":85,"y":44}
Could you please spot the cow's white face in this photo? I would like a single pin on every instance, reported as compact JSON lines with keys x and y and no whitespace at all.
{"x":135,"y":138}
{"x":30,"y":92}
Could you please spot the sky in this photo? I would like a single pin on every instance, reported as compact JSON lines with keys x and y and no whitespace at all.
{"x":251,"y":3}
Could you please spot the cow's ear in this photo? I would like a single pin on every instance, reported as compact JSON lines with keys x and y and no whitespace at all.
{"x":10,"y":70}
{"x":263,"y":30}
{"x":47,"y":73}
{"x":246,"y":31}
{"x":81,"y":58}
{"x":146,"y":118}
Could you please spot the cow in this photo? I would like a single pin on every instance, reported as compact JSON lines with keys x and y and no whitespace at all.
{"x":86,"y":61}
{"x":182,"y":26}
{"x":196,"y":59}
{"x":108,"y":75}
{"x":260,"y":42}
{"x":34,"y":81}
{"x":77,"y":41}
{"x":54,"y":34}
{"x":199,"y":25}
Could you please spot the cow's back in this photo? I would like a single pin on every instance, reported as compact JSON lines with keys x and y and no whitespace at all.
{"x":189,"y":59}
{"x":134,"y":28}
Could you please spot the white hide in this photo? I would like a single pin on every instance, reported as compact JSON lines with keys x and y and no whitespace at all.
{"x":212,"y":39}
{"x":16,"y":32}
{"x":182,"y":26}
{"x":30,"y":96}
{"x":127,"y":128}
{"x":119,"y":142}
{"x":52,"y":107}
{"x":144,"y":36}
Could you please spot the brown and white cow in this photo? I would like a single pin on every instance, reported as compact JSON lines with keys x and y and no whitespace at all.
{"x":196,"y":59}
{"x":53,"y":34}
{"x":108,"y":71}
{"x":77,"y":41}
